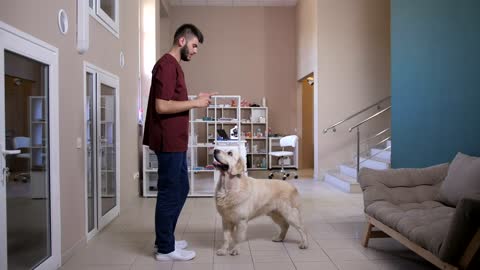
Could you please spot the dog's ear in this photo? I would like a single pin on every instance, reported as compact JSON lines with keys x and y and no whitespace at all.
{"x":237,"y":168}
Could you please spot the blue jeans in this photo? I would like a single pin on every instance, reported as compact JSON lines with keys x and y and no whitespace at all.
{"x":172,"y":193}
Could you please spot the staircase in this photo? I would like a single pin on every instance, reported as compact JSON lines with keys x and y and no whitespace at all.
{"x":344,"y":177}
{"x":373,"y":152}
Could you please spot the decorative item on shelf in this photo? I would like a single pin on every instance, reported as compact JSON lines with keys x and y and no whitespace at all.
{"x":207,"y":118}
{"x":234,"y":132}
{"x":244,"y":103}
{"x":209,"y":167}
{"x":248,"y":135}
{"x":254,"y":105}
{"x":259,"y":133}
{"x":264,"y":102}
{"x":264,"y":162}
{"x":233,"y":103}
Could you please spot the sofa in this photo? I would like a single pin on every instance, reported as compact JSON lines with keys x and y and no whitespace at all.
{"x":434,"y":211}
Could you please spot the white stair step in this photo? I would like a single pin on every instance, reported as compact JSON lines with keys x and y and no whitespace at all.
{"x":381,"y":153}
{"x":389,"y":143}
{"x":374,"y":163}
{"x":348,"y":169}
{"x":343,"y":182}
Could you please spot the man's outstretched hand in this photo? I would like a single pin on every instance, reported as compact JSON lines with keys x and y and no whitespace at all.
{"x":207,"y":95}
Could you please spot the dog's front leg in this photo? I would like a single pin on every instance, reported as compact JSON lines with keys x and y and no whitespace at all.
{"x":240,"y":235}
{"x":227,"y":238}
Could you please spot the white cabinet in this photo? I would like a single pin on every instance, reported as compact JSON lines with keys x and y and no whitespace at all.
{"x":290,"y":162}
{"x":255,"y":131}
{"x":150,"y":176}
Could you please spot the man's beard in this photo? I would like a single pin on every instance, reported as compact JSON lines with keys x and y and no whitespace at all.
{"x":184,"y":52}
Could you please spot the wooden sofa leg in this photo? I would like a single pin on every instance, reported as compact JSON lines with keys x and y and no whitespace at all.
{"x":368,"y":232}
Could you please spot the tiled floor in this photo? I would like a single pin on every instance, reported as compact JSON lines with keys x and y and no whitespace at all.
{"x":333,"y":219}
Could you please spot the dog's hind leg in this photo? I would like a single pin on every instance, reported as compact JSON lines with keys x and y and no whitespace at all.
{"x":227,"y":238}
{"x":294,"y":218}
{"x":282,"y":223}
{"x":239,"y":235}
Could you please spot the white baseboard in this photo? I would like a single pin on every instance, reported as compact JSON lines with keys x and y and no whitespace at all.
{"x":67,"y":255}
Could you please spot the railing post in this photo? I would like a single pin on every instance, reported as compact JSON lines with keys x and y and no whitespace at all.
{"x":358,"y":150}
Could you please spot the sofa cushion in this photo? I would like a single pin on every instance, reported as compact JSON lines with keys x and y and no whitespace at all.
{"x":406,"y":185}
{"x":424,"y":223}
{"x":463,"y":179}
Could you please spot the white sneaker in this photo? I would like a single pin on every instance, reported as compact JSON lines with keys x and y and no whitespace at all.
{"x":180,"y":244}
{"x":176,"y":255}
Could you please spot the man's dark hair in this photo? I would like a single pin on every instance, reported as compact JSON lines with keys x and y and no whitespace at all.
{"x":186,"y":30}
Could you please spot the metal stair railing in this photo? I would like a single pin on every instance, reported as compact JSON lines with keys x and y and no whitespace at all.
{"x":376,"y":104}
{"x":357,"y":126}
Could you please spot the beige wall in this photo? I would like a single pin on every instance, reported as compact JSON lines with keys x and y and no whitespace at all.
{"x":306,"y":16}
{"x":353,"y":69}
{"x":248,"y":51}
{"x":39,"y":19}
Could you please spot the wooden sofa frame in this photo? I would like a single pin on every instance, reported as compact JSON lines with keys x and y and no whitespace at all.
{"x":385,"y":231}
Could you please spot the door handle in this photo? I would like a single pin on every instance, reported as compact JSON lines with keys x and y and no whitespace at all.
{"x":10,"y":152}
{"x":5,"y":174}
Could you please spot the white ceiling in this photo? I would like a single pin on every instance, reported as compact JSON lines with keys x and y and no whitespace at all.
{"x":233,"y":3}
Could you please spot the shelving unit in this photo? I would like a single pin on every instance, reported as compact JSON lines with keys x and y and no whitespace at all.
{"x":252,"y":127}
{"x":38,"y":129}
{"x":223,"y":113}
{"x":255,"y":131}
{"x":38,"y":145}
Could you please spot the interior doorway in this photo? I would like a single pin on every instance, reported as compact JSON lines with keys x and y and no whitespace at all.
{"x":29,"y":160}
{"x":306,"y":144}
{"x":102,"y":142}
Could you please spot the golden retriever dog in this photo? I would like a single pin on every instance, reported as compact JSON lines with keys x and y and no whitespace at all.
{"x":240,"y":198}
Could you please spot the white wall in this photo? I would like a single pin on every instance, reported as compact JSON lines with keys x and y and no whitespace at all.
{"x":39,"y":19}
{"x":353,"y":69}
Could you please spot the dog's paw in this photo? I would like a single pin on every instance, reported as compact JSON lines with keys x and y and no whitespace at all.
{"x":221,"y":252}
{"x":234,"y":252}
{"x":303,"y":246}
{"x":277,"y":238}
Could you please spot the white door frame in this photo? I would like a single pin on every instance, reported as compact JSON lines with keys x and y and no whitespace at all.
{"x":94,"y":231}
{"x":107,"y":78}
{"x":16,"y":41}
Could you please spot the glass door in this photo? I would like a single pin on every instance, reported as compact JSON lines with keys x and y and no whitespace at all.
{"x":107,"y":141}
{"x":102,"y":137}
{"x":29,"y":206}
{"x":91,"y":150}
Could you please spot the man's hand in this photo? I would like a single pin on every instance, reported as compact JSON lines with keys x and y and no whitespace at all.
{"x":202,"y":101}
{"x":209,"y":95}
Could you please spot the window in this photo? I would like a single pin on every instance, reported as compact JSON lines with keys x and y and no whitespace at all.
{"x":107,"y":13}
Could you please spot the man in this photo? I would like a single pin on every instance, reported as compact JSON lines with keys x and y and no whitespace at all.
{"x":166,"y":133}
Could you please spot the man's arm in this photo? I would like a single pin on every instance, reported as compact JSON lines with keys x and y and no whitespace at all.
{"x":171,"y":106}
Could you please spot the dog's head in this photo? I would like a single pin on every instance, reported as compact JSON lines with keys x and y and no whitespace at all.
{"x":230,"y":161}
